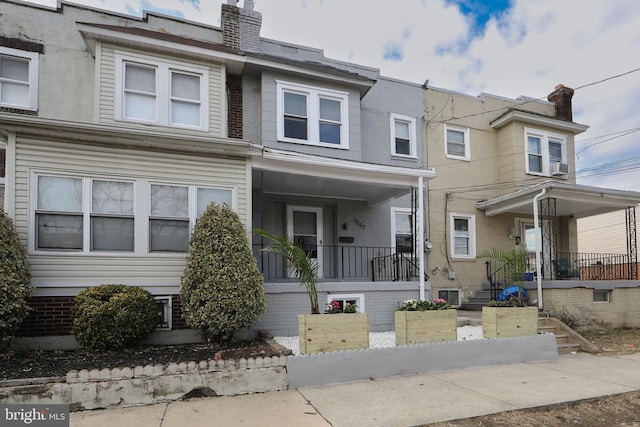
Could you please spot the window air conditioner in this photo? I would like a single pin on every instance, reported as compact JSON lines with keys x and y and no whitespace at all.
{"x":558,"y":169}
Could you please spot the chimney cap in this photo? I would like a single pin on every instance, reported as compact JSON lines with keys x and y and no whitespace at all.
{"x":232,"y":2}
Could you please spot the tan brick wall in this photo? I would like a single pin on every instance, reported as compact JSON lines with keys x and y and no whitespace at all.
{"x":622,"y":310}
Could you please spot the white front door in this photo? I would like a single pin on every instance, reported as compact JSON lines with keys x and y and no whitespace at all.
{"x":305,"y":225}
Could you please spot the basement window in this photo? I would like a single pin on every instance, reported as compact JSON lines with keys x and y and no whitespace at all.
{"x":600,"y":295}
{"x":451,"y":296}
{"x":344,"y":299}
{"x":163,"y":304}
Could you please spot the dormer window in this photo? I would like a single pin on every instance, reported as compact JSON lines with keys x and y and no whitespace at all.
{"x":161,"y":92}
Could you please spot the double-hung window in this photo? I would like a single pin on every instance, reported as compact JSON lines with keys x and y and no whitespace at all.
{"x":149,"y":90}
{"x":457,"y":143}
{"x":67,"y":206}
{"x":462,"y":231}
{"x":94,"y":214}
{"x":543,"y":150}
{"x":18,"y":79}
{"x":403,"y":136}
{"x":402,"y":230}
{"x":311,"y":115}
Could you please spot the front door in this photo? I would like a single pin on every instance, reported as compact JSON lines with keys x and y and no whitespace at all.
{"x":305,"y":225}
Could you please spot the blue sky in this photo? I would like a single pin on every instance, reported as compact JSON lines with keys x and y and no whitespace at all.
{"x":503,"y":47}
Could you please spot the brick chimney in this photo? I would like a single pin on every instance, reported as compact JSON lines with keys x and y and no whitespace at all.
{"x":241,"y":27}
{"x":561,"y":96}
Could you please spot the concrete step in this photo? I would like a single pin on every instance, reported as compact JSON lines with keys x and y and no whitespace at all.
{"x":568,"y":348}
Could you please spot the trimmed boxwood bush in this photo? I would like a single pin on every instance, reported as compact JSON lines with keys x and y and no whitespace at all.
{"x":221,"y":290}
{"x":111,"y":317}
{"x":15,"y":281}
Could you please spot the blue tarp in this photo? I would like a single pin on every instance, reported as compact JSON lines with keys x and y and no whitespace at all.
{"x":512,"y":291}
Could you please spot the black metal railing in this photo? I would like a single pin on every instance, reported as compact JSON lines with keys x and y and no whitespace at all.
{"x":564,"y":266}
{"x":358,"y":263}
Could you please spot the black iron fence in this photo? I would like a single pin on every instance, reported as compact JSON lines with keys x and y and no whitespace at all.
{"x":564,"y":266}
{"x":357,"y":263}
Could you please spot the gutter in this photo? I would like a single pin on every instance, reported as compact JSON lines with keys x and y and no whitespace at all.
{"x":536,"y":221}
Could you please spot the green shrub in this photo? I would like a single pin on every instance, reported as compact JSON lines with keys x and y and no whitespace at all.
{"x":15,"y":280}
{"x":111,"y":317}
{"x":221,"y":289}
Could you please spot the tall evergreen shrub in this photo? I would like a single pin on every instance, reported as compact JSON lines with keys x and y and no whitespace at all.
{"x":15,"y":280}
{"x":221,"y":289}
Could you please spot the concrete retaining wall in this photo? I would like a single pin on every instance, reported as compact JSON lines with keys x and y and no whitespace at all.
{"x":343,"y":366}
{"x":151,"y":384}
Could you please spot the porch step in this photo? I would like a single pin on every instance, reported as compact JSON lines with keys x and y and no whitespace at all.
{"x":479,"y":300}
{"x":568,"y":340}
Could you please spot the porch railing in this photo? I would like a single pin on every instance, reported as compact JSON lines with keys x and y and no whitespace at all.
{"x":357,"y":263}
{"x":565,"y":266}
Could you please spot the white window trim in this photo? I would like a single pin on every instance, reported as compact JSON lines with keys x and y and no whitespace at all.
{"x":163,"y":89}
{"x":32,"y":57}
{"x":544,"y":142}
{"x":141,"y":212}
{"x":413,"y":152}
{"x":395,"y":211}
{"x":358,"y":297}
{"x":313,"y":113}
{"x":467,"y":142}
{"x":472,"y":234}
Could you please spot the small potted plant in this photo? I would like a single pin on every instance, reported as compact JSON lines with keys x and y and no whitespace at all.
{"x":345,"y":329}
{"x":419,"y":321}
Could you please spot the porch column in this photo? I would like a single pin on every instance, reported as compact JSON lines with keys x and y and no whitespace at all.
{"x":632,"y":243}
{"x":420,"y":233}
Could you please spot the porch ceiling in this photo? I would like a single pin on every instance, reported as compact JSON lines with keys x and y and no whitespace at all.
{"x":574,"y":200}
{"x":283,"y":172}
{"x":311,"y":186}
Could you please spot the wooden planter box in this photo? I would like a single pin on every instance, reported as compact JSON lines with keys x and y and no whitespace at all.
{"x":332,"y":332}
{"x":415,"y":327}
{"x":505,"y":322}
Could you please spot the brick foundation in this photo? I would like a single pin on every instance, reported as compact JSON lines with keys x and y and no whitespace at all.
{"x":51,"y":316}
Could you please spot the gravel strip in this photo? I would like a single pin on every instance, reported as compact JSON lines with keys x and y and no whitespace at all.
{"x":387,"y":339}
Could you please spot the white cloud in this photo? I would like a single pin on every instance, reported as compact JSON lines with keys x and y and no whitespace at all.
{"x":526,"y":52}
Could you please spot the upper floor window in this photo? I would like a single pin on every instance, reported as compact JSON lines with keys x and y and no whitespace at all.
{"x":457,"y":144}
{"x":403,"y":136}
{"x":18,"y":79}
{"x":149,"y":90}
{"x":311,"y":115}
{"x":90,"y":214}
{"x":462,"y":229}
{"x":543,"y":151}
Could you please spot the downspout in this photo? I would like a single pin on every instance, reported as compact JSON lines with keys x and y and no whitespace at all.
{"x":536,"y":221}
{"x":420,"y":233}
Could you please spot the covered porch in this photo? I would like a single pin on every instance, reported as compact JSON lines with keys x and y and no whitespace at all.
{"x":362,"y":223}
{"x":553,"y":207}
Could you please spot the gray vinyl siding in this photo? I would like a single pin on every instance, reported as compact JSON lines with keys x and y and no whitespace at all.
{"x":80,"y":270}
{"x":270,"y":119}
{"x":107,"y":90}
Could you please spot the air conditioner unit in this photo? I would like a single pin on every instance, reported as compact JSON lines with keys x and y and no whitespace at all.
{"x":559,"y":169}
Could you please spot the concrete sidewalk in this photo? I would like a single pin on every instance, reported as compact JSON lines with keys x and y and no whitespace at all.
{"x":396,"y":401}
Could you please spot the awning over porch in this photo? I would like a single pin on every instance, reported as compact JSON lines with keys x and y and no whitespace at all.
{"x":287,"y":172}
{"x":577,"y":201}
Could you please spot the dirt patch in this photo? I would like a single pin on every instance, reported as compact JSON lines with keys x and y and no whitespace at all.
{"x":38,"y":364}
{"x":617,"y":410}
